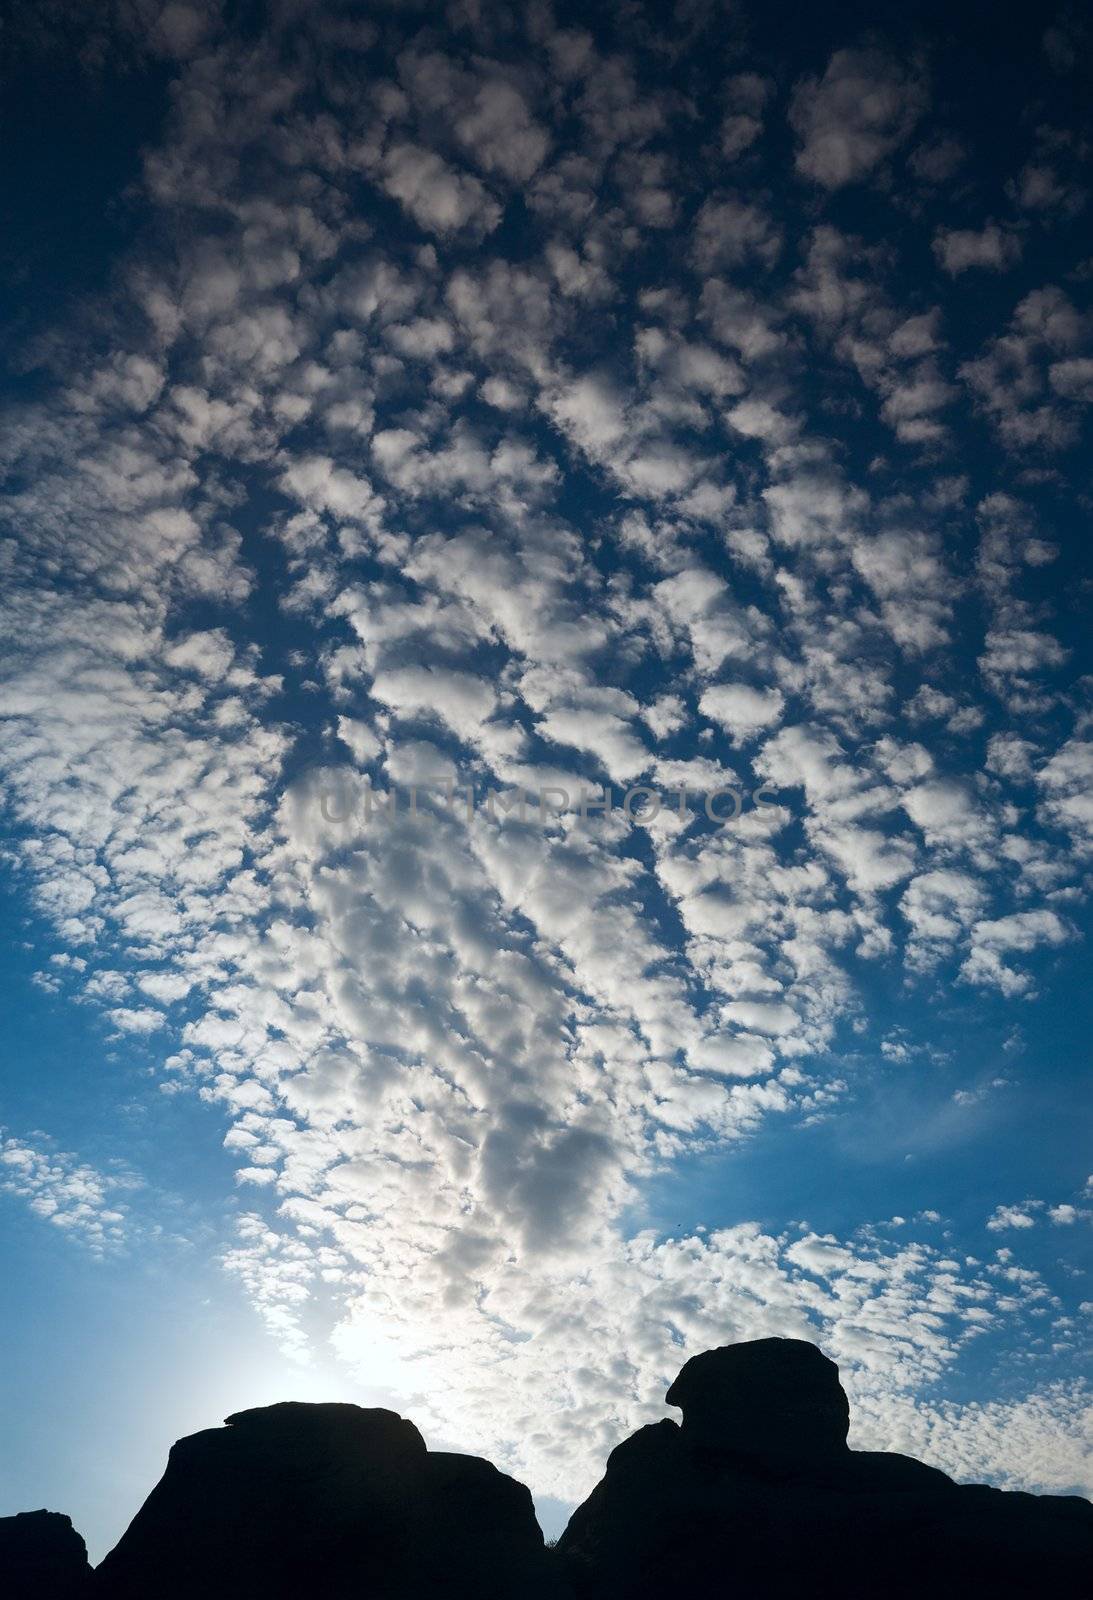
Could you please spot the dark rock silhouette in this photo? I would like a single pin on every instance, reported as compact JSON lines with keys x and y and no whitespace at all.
{"x":776,"y":1396}
{"x":755,"y":1496}
{"x":330,"y":1502}
{"x":41,"y":1555}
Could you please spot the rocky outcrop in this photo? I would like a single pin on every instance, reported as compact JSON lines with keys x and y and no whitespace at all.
{"x":775,"y":1396}
{"x":42,"y":1555}
{"x":757,"y":1495}
{"x":754,"y":1496}
{"x":330,"y":1501}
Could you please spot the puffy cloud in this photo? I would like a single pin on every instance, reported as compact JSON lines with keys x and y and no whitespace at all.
{"x":1005,"y":1217}
{"x":1011,"y":378}
{"x":991,"y":246}
{"x":64,"y":1191}
{"x":739,"y":319}
{"x":358,"y":737}
{"x":318,"y":483}
{"x":743,"y":710}
{"x":460,"y":699}
{"x":907,"y":573}
{"x":1066,"y":781}
{"x":499,"y":131}
{"x":940,"y":906}
{"x":440,"y":199}
{"x":730,"y":232}
{"x":848,"y":121}
{"x":209,"y":654}
{"x":993,"y":940}
{"x":485,"y":111}
{"x":600,"y":733}
{"x":136,"y":1019}
{"x":746,"y":95}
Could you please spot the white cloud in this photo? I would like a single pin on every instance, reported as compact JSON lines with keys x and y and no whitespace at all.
{"x":849,"y":120}
{"x":731,"y":231}
{"x":486,"y":112}
{"x":358,"y":737}
{"x":139,"y":1019}
{"x":741,"y":709}
{"x":1021,"y":932}
{"x":440,"y":199}
{"x":1005,"y":1217}
{"x":991,"y":246}
{"x":1010,"y":378}
{"x":67,"y":1193}
{"x":460,"y":699}
{"x":746,"y":94}
{"x":1066,"y":780}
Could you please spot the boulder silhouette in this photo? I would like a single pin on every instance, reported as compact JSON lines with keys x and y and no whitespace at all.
{"x":329,"y":1502}
{"x":42,"y":1555}
{"x":757,"y":1495}
{"x":770,"y":1395}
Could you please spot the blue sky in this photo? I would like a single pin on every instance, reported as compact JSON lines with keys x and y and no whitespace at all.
{"x":540,"y":401}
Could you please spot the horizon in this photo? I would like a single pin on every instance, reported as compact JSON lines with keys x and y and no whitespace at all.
{"x":545,"y":733}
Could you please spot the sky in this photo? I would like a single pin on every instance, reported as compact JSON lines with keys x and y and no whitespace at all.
{"x":546,"y":748}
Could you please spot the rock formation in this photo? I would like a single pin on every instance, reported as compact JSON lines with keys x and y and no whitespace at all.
{"x":42,"y":1557}
{"x":332,"y":1502}
{"x":755,"y":1496}
{"x":776,"y":1396}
